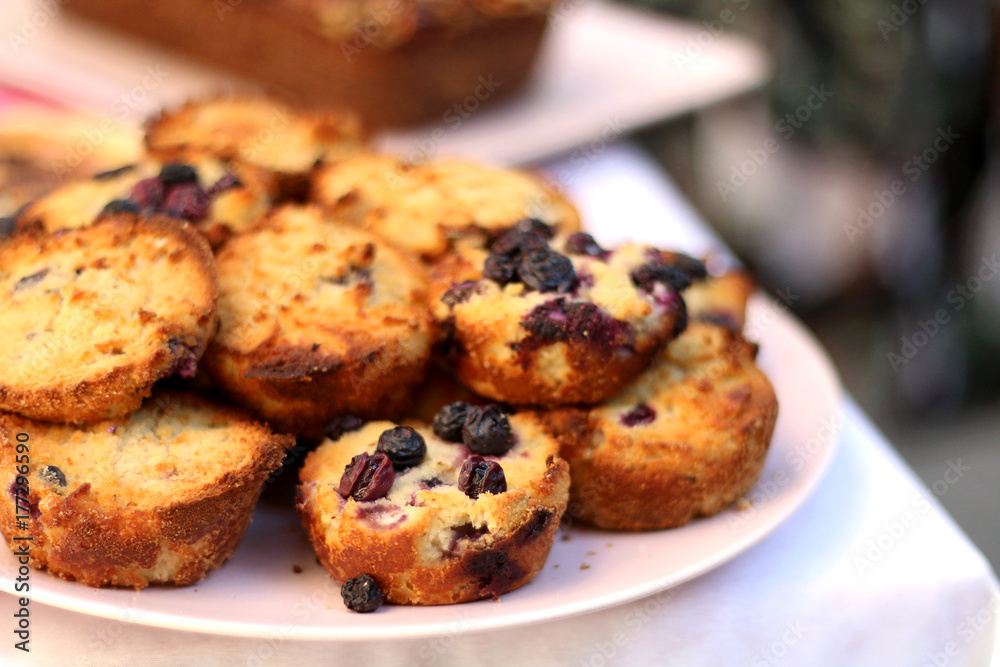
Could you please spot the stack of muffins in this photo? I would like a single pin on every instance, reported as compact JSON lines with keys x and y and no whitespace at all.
{"x":464,"y":364}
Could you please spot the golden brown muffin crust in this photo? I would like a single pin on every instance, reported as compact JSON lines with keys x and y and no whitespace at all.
{"x":94,"y":316}
{"x":161,"y":496}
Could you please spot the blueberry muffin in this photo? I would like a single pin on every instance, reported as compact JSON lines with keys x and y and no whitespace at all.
{"x":553,"y":321}
{"x":92,"y":317}
{"x":318,"y":319}
{"x":285,"y":142}
{"x":425,"y":208}
{"x":687,"y":439}
{"x":464,"y":511}
{"x":159,"y":496}
{"x":219,"y":198}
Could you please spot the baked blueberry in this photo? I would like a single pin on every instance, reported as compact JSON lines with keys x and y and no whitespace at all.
{"x":449,"y":420}
{"x":120,"y":206}
{"x":52,"y":476}
{"x":479,"y":475}
{"x":342,"y":424}
{"x":487,"y":431}
{"x":404,"y":447}
{"x":186,"y":201}
{"x":175,"y":174}
{"x":546,"y":270}
{"x":362,"y":594}
{"x":114,"y":173}
{"x":500,"y":268}
{"x":367,"y":477}
{"x":581,"y":243}
{"x":147,"y":193}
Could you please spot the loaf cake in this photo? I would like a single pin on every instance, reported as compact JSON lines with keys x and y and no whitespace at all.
{"x":395,"y":62}
{"x":93,"y":317}
{"x":160,"y":496}
{"x":431,"y":520}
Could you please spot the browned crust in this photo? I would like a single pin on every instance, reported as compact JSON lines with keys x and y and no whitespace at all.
{"x":77,"y":538}
{"x":281,"y":49}
{"x":122,"y":390}
{"x":513,"y":558}
{"x":298,"y":390}
{"x":631,"y":483}
{"x":593,"y":377}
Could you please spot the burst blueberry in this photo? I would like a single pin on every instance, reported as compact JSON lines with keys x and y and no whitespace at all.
{"x":479,"y":476}
{"x":367,"y":477}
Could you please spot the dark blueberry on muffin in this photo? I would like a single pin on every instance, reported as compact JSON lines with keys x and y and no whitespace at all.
{"x":546,"y":270}
{"x":147,"y":193}
{"x":342,"y":424}
{"x":487,"y":431}
{"x":120,"y":206}
{"x":186,"y":201}
{"x":404,"y":447}
{"x":449,"y":420}
{"x":175,"y":174}
{"x":581,"y":243}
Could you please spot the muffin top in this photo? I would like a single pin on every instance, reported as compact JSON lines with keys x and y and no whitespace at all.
{"x":426,"y":208}
{"x":79,"y":304}
{"x":258,"y":132}
{"x":303,"y":280}
{"x":532,"y":291}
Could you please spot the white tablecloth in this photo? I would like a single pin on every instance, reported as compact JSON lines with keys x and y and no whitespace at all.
{"x":870,"y":571}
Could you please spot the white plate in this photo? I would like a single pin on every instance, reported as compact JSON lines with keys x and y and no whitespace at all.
{"x":257,"y":593}
{"x":605,"y":70}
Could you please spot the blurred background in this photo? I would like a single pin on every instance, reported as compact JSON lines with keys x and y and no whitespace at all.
{"x":863,"y":178}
